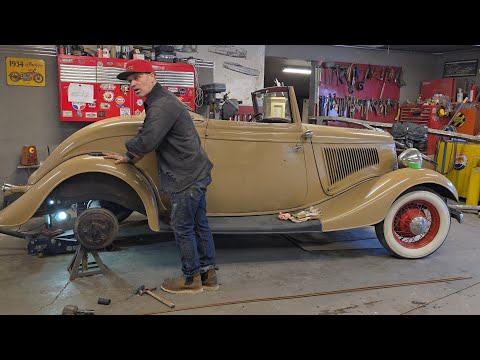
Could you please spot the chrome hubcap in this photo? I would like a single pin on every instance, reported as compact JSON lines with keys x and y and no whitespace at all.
{"x":418,"y":225}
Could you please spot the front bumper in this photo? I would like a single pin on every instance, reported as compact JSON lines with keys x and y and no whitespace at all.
{"x":456,"y":214}
{"x":9,"y":189}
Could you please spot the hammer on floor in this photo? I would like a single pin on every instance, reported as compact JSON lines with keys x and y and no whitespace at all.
{"x":142,"y":290}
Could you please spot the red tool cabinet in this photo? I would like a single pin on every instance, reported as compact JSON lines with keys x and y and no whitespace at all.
{"x":424,"y":115}
{"x":80,"y":77}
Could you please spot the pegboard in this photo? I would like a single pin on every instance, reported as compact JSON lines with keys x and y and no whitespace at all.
{"x":372,"y":88}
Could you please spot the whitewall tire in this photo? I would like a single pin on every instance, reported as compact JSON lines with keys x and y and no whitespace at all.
{"x":415,"y":226}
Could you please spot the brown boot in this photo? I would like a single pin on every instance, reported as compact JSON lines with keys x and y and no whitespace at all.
{"x":183,"y":285}
{"x":209,"y":280}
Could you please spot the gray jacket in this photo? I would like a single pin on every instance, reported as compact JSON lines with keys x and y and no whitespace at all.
{"x":169,"y":130}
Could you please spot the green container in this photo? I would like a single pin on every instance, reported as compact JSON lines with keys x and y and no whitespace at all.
{"x":414,"y":165}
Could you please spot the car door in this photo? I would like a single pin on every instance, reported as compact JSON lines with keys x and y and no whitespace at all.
{"x":258,"y":167}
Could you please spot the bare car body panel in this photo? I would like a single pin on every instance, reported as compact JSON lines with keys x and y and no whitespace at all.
{"x":250,"y":186}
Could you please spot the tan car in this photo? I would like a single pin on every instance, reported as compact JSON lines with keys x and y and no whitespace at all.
{"x":273,"y":164}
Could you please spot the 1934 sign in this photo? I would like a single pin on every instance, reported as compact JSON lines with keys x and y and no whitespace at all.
{"x":25,"y":72}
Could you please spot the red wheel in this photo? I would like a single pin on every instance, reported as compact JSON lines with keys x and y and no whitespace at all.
{"x":415,"y":226}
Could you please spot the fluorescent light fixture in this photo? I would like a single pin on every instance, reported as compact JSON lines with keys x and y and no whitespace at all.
{"x":297,"y":70}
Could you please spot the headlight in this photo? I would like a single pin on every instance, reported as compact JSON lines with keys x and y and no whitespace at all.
{"x":410,"y":158}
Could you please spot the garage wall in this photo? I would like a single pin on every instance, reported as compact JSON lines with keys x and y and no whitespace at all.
{"x":416,"y":67}
{"x":28,"y":115}
{"x":462,"y":82}
{"x":239,"y":67}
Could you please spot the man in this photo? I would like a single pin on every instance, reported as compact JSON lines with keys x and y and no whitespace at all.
{"x":185,"y":173}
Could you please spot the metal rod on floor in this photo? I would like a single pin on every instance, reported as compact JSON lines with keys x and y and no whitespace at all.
{"x":366,"y":288}
{"x":12,"y":233}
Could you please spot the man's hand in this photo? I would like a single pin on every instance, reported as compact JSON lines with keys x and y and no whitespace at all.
{"x":119,"y":159}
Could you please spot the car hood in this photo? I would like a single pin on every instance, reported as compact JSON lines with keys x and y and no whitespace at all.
{"x":342,"y":135}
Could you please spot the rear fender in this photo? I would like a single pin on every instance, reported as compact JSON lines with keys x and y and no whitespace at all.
{"x":22,"y":209}
{"x":368,"y":203}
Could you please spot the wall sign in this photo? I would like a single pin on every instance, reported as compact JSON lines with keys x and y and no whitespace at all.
{"x":460,"y":68}
{"x":25,"y":72}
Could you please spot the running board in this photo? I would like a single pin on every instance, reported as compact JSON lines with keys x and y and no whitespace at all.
{"x":261,"y":224}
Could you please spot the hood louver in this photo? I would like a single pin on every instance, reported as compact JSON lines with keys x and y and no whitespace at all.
{"x":343,"y":162}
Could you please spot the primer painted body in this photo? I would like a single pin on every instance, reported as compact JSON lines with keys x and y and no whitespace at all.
{"x":22,"y":210}
{"x":259,"y":169}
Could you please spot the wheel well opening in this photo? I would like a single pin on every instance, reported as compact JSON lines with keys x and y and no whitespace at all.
{"x":92,"y":186}
{"x":439,"y":189}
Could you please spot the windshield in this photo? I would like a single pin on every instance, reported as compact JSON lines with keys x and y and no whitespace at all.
{"x":272,"y":105}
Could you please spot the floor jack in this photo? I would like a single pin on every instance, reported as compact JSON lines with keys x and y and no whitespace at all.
{"x":95,"y":228}
{"x":51,"y":243}
{"x":46,"y":242}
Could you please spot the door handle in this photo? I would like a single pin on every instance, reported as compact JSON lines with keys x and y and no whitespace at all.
{"x":308,"y":134}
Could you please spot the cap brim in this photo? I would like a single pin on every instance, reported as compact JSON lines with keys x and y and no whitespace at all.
{"x":125,"y":75}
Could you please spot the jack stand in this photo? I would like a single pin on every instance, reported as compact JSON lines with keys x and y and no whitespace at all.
{"x":79,"y":266}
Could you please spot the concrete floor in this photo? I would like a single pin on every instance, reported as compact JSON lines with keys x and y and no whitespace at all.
{"x":258,"y":275}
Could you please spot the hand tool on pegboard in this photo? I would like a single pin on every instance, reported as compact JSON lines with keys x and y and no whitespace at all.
{"x":384,"y":78}
{"x":397,"y":106}
{"x":329,"y":72}
{"x":348,"y":78}
{"x":365,"y":77}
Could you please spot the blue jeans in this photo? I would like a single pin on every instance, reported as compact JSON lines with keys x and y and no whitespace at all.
{"x":190,"y":225}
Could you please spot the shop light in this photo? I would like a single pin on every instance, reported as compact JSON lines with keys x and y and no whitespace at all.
{"x":62,"y":216}
{"x":297,"y":70}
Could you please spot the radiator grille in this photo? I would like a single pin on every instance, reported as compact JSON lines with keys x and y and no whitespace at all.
{"x":342,"y":162}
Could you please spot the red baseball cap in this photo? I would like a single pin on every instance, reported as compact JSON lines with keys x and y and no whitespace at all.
{"x":136,"y":66}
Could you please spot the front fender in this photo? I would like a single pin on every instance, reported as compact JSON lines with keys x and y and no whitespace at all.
{"x":22,"y":209}
{"x":368,"y":203}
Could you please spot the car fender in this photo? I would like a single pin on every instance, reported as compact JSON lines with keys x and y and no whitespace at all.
{"x":22,"y":209}
{"x":368,"y":202}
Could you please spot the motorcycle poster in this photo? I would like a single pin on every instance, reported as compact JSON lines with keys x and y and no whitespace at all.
{"x":25,"y":72}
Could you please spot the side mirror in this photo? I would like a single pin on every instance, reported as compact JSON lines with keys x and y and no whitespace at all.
{"x":308,"y":134}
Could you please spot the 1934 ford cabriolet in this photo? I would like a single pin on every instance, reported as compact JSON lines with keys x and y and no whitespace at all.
{"x":272,"y":164}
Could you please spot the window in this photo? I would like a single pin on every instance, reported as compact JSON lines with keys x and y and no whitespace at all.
{"x":272,"y":105}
